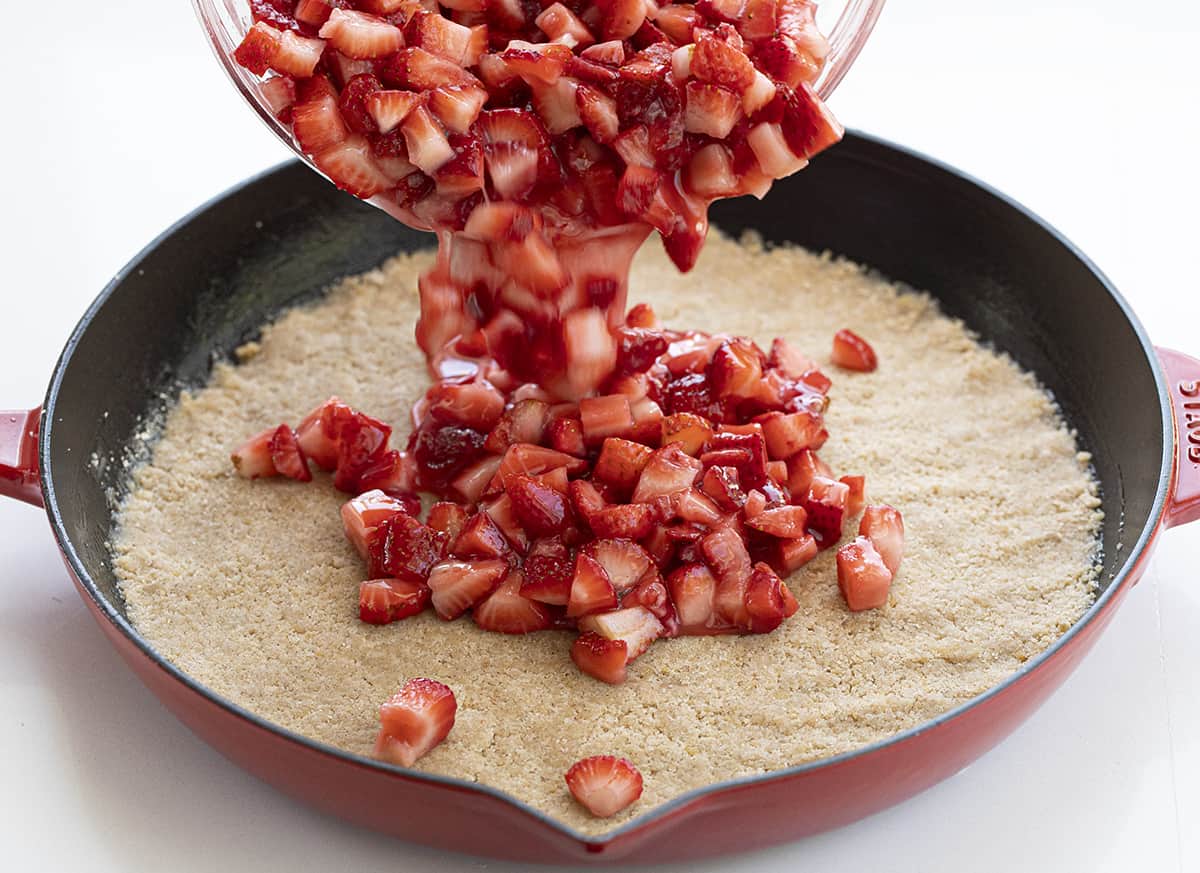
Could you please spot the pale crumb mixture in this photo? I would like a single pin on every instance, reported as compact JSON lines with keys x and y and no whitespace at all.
{"x":251,"y":587}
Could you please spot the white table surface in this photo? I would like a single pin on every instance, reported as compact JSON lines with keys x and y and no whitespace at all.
{"x":116,"y":125}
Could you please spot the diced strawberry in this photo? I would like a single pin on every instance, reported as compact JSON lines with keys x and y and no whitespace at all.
{"x":540,"y":509}
{"x":690,"y":432}
{"x":416,"y":69}
{"x":604,"y":784}
{"x":621,"y":463}
{"x":794,"y":554}
{"x":726,"y":553}
{"x":779,"y":56}
{"x":826,"y":507}
{"x":591,"y":589}
{"x":620,"y":19}
{"x":693,"y":506}
{"x":475,"y":404}
{"x":629,"y":521}
{"x":598,"y":113}
{"x":863,"y":577}
{"x":693,"y":588}
{"x":427,"y":145}
{"x":610,"y":52}
{"x":541,"y":63}
{"x":802,"y":467}
{"x":258,"y":48}
{"x":711,"y":109}
{"x":351,"y":166}
{"x":474,"y":480}
{"x":352,"y":103}
{"x":360,"y":35}
{"x":403,"y":548}
{"x":525,"y":459}
{"x":724,"y":487}
{"x":635,"y":625}
{"x":457,"y":106}
{"x":252,"y":459}
{"x":676,"y":20}
{"x":563,"y":26}
{"x":556,"y":104}
{"x":456,"y":586}
{"x":719,"y":63}
{"x":765,"y":605}
{"x":757,"y":19}
{"x":756,"y":504}
{"x":548,"y":577}
{"x":669,"y":470}
{"x":591,"y":351}
{"x":777,"y":472}
{"x":361,"y":444}
{"x":449,"y":518}
{"x":279,"y":93}
{"x":604,"y":417}
{"x":601,"y":658}
{"x":314,"y":12}
{"x":389,"y":108}
{"x":884,"y":527}
{"x":566,"y":435}
{"x":480,"y":537}
{"x":852,"y":352}
{"x":523,"y":422}
{"x":774,"y":156}
{"x":806,"y":122}
{"x":787,"y":434}
{"x":317,"y":123}
{"x":382,"y":601}
{"x":505,"y":611}
{"x":858,"y":493}
{"x":362,"y":515}
{"x":788,"y":359}
{"x":651,"y":593}
{"x":710,"y":173}
{"x":502,"y":513}
{"x":287,"y":457}
{"x":414,"y":721}
{"x":624,"y":562}
{"x":747,"y":452}
{"x":440,"y":36}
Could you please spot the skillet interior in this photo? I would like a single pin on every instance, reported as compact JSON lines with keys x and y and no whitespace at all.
{"x":209,"y":283}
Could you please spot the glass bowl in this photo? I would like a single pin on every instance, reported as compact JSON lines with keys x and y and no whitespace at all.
{"x":225,"y":22}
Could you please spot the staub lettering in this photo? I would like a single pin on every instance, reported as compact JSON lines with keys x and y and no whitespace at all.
{"x":1191,"y":418}
{"x":1190,"y":389}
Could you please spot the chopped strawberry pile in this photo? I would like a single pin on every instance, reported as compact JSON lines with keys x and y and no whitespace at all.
{"x":674,"y":503}
{"x":544,"y":141}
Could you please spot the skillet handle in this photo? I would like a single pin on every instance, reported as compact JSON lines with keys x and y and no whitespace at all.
{"x":1183,"y":381}
{"x":19,"y":455}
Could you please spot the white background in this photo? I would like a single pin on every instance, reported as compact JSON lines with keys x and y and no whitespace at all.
{"x":117,"y":122}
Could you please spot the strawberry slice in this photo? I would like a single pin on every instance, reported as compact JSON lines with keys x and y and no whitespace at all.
{"x":480,"y":538}
{"x":785,"y":522}
{"x":414,"y":721}
{"x":826,"y":508}
{"x":361,"y":35}
{"x":591,"y":589}
{"x":621,"y":463}
{"x":624,"y":562}
{"x":362,"y":515}
{"x":604,"y":784}
{"x":668,"y":470}
{"x":506,"y":611}
{"x":636,"y":626}
{"x":601,"y":658}
{"x":252,"y":459}
{"x":863,"y":577}
{"x":852,"y":352}
{"x":456,"y":586}
{"x":539,"y":508}
{"x":449,"y":518}
{"x":884,"y":527}
{"x":382,"y":601}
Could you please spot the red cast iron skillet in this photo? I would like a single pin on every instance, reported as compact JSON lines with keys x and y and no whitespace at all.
{"x":212,"y":280}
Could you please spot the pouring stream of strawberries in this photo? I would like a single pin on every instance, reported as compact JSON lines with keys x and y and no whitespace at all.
{"x":596,"y":471}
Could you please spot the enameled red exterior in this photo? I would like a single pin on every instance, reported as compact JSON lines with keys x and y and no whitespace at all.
{"x":1183,"y":381}
{"x":18,"y":455}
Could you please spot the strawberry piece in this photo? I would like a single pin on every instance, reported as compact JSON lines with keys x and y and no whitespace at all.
{"x":651,"y":593}
{"x":449,"y":518}
{"x":591,"y":589}
{"x":252,"y":459}
{"x":317,"y":123}
{"x":639,"y":347}
{"x":566,"y":435}
{"x":506,"y":611}
{"x":802,"y":467}
{"x":286,"y":455}
{"x":863,"y":577}
{"x":726,"y":553}
{"x":362,"y":515}
{"x":746,"y":451}
{"x":794,"y":554}
{"x":852,"y":352}
{"x":382,"y":601}
{"x":636,"y":626}
{"x":315,"y":440}
{"x":621,"y":19}
{"x":457,"y":106}
{"x":693,"y":506}
{"x":757,"y":19}
{"x":676,"y":20}
{"x":414,"y":721}
{"x":556,"y":103}
{"x":690,"y":432}
{"x":826,"y":507}
{"x":563,"y":26}
{"x":624,"y":562}
{"x":628,"y":521}
{"x":427,"y":145}
{"x":858,"y":493}
{"x":523,"y":422}
{"x":314,"y":12}
{"x":480,"y":538}
{"x":524,"y":459}
{"x":764,"y":600}
{"x":473,"y":480}
{"x":258,"y":48}
{"x":604,"y":784}
{"x":361,"y":442}
{"x":785,"y":522}
{"x":502,"y":513}
{"x":787,"y":434}
{"x":621,"y":463}
{"x":401,"y":547}
{"x":777,"y":472}
{"x":416,"y":69}
{"x":548,"y":576}
{"x":780,"y":58}
{"x":440,"y":36}
{"x":668,"y":470}
{"x":736,"y":369}
{"x":360,"y":35}
{"x":756,"y":503}
{"x":693,"y":589}
{"x":807,"y":125}
{"x":601,"y":658}
{"x":279,"y":92}
{"x":352,"y":102}
{"x":724,"y":487}
{"x":388,"y":108}
{"x":351,"y":166}
{"x":540,"y":509}
{"x":476,"y":404}
{"x":771,"y":150}
{"x":884,"y":527}
{"x":591,"y":351}
{"x":710,"y":109}
{"x":540,"y":63}
{"x":597,"y":112}
{"x":719,"y":63}
{"x":611,"y":52}
{"x":442,"y":452}
{"x":604,"y":417}
{"x":456,"y":586}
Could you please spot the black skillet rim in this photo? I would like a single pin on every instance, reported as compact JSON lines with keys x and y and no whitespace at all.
{"x":1118,"y":582}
